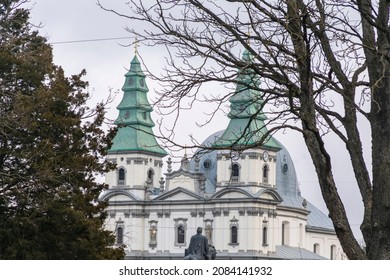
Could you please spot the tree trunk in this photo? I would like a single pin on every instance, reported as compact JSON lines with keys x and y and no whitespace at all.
{"x":322,"y":162}
{"x":377,"y":44}
{"x":379,"y":247}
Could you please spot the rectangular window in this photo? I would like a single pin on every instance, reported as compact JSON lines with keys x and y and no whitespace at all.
{"x":180,"y":235}
{"x":180,"y":232}
{"x":119,"y":235}
{"x":234,"y":235}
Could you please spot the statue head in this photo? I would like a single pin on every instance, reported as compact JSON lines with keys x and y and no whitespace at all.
{"x":199,"y":230}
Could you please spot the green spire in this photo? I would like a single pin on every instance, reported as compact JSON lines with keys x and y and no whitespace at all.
{"x":246,"y":126}
{"x":135,"y":131}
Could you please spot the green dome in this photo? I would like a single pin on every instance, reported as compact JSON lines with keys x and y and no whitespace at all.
{"x":134,"y":120}
{"x":246,"y":126}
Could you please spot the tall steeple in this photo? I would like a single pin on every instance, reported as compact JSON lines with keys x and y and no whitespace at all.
{"x":245,"y":131}
{"x":135,"y":124}
{"x":246,"y":126}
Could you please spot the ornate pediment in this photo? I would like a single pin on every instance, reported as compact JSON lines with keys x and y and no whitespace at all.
{"x":270,"y":194}
{"x":232,"y":193}
{"x":178,"y":194}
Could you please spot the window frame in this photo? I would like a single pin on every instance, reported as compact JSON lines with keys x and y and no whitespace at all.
{"x":121,"y":178}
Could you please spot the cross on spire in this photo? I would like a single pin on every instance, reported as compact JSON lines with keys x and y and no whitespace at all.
{"x":136,"y":45}
{"x":249,"y":36}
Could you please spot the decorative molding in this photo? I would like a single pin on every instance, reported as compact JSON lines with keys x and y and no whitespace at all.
{"x":252,"y":212}
{"x":127,"y":214}
{"x":234,"y":220}
{"x":137,"y":160}
{"x":216,"y":213}
{"x":272,"y":213}
{"x":241,"y":212}
{"x":140,"y":214}
{"x":201,"y":213}
{"x":225,"y":212}
{"x":193,"y":214}
{"x":161,"y":214}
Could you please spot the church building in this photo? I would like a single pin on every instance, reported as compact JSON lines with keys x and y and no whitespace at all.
{"x":244,"y":196}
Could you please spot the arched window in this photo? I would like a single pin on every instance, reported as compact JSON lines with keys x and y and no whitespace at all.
{"x":265,"y":173}
{"x":300,"y":235}
{"x":285,"y":233}
{"x":265,"y":236}
{"x":121,"y":176}
{"x":333,"y":252}
{"x":234,"y":235}
{"x":150,"y":176}
{"x":235,"y":172}
{"x":180,"y":231}
{"x":180,"y":235}
{"x":119,"y":235}
{"x":316,"y":248}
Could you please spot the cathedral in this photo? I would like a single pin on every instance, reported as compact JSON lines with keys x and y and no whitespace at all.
{"x":245,"y":197}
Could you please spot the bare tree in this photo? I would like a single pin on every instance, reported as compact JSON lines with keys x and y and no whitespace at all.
{"x":309,"y":54}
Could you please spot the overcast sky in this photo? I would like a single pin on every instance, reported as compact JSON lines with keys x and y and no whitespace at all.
{"x":69,"y":24}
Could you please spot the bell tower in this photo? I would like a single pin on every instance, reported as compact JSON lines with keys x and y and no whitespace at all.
{"x":248,"y":154}
{"x":135,"y":149}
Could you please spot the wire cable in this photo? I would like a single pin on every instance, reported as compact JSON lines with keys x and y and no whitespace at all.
{"x":88,"y":40}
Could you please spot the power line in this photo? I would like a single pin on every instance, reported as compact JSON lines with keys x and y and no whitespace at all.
{"x":88,"y":40}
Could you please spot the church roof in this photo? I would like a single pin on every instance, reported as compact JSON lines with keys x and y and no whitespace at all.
{"x":285,"y":252}
{"x":287,"y":186}
{"x":134,"y":122}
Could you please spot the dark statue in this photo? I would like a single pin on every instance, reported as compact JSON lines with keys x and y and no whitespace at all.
{"x":199,"y":248}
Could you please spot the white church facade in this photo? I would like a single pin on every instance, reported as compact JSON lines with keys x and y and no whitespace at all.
{"x":245,"y":197}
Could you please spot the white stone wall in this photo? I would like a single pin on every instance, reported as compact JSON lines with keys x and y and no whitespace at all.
{"x":294,"y":228}
{"x":250,"y":230}
{"x":136,"y":166}
{"x":251,"y":169}
{"x":182,"y":181}
{"x":325,"y":241}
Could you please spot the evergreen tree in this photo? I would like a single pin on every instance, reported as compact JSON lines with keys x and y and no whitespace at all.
{"x":51,"y":149}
